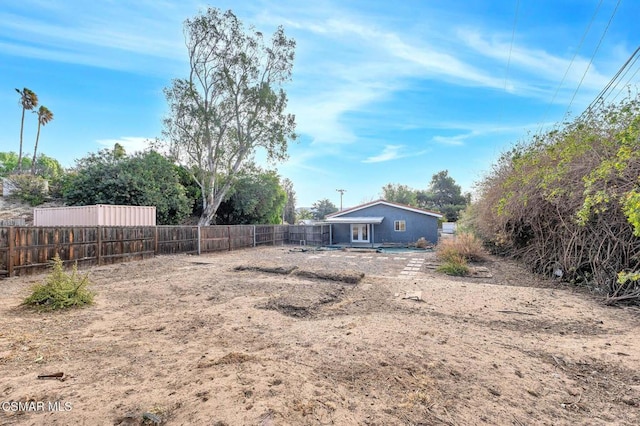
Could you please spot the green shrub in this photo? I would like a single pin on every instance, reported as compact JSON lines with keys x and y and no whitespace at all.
{"x":29,"y":189}
{"x":454,"y":265}
{"x":61,"y":290}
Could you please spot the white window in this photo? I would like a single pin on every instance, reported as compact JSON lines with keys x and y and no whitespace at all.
{"x":400,"y":225}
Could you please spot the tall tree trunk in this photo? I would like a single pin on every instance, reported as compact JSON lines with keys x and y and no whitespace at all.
{"x":20,"y":152}
{"x":211,"y":201}
{"x":35,"y":150}
{"x":211,"y":205}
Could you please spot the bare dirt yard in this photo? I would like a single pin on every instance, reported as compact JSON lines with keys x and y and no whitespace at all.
{"x":188,"y":340}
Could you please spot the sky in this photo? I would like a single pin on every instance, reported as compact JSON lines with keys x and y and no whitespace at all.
{"x":383,"y":92}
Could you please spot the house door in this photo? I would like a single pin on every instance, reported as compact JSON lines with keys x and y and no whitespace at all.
{"x":359,"y":233}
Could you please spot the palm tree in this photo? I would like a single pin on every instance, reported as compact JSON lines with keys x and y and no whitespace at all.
{"x":28,"y":100}
{"x":44,"y":116}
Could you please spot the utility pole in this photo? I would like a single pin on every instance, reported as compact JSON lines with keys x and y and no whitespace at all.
{"x":341,"y":191}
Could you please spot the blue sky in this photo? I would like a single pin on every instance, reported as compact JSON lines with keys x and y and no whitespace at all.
{"x":383,"y":92}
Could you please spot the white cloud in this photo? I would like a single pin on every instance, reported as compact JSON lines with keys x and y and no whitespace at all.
{"x":131,"y":144}
{"x":472,"y":130}
{"x":452,"y":140}
{"x":113,"y":37}
{"x":537,"y":64}
{"x":390,"y":152}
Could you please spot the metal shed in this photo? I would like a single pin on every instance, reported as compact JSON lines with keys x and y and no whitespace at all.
{"x":96,"y":215}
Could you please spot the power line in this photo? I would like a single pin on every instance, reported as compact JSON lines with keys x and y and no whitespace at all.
{"x":628,"y":66}
{"x":506,"y":76}
{"x":584,"y":36}
{"x":626,"y":85}
{"x":592,"y":57}
{"x":601,"y":96}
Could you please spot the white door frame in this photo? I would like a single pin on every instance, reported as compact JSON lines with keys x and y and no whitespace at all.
{"x":362,"y":228}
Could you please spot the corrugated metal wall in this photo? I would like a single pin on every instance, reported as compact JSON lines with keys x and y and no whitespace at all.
{"x":96,"y":215}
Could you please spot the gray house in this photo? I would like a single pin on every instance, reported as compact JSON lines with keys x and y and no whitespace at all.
{"x":381,"y":222}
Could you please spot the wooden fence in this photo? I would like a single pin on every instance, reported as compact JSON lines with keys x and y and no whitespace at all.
{"x":27,"y":249}
{"x":13,"y":222}
{"x":318,"y":235}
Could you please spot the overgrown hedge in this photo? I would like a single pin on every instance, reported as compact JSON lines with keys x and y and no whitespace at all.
{"x":568,"y":202}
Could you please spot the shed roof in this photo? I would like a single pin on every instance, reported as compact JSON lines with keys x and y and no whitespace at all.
{"x":354,"y":219}
{"x":383,"y":202}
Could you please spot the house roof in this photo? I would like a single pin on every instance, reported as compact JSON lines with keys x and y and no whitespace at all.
{"x":386,"y":203}
{"x":354,"y":219}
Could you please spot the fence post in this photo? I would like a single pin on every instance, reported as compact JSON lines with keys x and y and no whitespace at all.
{"x":199,"y":236}
{"x":274,"y":234}
{"x":98,"y":245}
{"x":229,"y":233}
{"x":10,"y":254}
{"x":254,"y":235}
{"x":155,"y":241}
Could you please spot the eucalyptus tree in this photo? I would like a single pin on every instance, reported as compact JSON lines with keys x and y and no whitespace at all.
{"x":231,"y":104}
{"x":28,"y":101}
{"x":290,"y":206}
{"x":44,"y":116}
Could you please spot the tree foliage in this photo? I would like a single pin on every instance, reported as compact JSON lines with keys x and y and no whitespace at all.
{"x":45,"y":167}
{"x":32,"y":189}
{"x":255,"y":197}
{"x":397,"y":193}
{"x":567,"y":202}
{"x":231,"y":104}
{"x":9,"y":163}
{"x":145,"y":179}
{"x":304,"y":214}
{"x":28,"y":102}
{"x":191,"y":188}
{"x":45,"y":116}
{"x":323,"y":207}
{"x":443,"y":195}
{"x":290,"y":206}
{"x":28,"y":188}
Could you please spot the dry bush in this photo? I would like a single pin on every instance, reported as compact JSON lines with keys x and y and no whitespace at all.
{"x":422,"y":243}
{"x":29,"y":189}
{"x":570,"y":200}
{"x":465,"y":245}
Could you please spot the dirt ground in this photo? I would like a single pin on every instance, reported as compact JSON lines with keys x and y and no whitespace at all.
{"x":187,"y":340}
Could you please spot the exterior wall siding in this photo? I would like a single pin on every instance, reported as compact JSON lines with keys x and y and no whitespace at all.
{"x":417,"y":225}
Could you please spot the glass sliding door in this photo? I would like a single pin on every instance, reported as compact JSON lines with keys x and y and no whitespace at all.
{"x":359,"y":233}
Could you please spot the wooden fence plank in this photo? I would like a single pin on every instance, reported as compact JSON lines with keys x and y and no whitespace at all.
{"x":11,"y":254}
{"x":29,"y":249}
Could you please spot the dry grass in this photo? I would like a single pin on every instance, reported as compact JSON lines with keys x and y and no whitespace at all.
{"x":464,"y":245}
{"x":345,"y":276}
